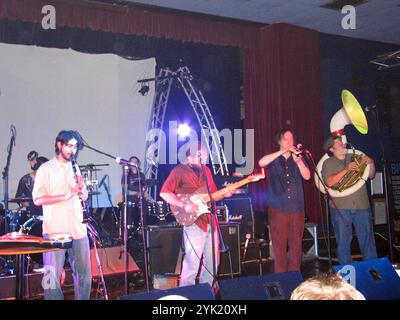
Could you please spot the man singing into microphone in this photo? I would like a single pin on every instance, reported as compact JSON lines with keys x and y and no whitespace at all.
{"x":60,"y":193}
{"x":286,"y":201}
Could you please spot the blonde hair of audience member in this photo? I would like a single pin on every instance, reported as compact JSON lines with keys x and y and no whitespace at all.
{"x":326,"y":287}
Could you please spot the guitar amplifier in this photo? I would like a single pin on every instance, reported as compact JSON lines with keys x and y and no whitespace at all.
{"x":165,"y":249}
{"x":230,"y":260}
{"x":241,"y":211}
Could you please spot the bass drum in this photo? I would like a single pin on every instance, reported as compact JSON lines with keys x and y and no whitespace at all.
{"x":33,"y":226}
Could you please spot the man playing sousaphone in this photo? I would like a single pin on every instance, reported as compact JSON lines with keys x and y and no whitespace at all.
{"x":353,"y":209}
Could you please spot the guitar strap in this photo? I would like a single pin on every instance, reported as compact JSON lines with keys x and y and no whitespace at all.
{"x":196,"y":170}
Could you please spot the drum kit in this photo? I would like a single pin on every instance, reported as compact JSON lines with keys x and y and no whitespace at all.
{"x":157,"y":212}
{"x":22,"y":219}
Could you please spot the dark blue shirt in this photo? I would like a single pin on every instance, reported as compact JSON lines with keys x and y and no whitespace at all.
{"x":285,"y":191}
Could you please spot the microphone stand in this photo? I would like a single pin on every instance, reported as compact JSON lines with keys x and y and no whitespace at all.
{"x":126,"y":169}
{"x":327,"y":197}
{"x":5,"y":175}
{"x":143,"y":230}
{"x":385,"y":176}
{"x":214,"y":220}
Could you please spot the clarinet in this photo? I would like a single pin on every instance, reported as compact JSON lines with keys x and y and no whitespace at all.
{"x":83,"y":204}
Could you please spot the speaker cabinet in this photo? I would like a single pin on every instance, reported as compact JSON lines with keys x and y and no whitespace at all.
{"x":164,"y":248}
{"x":376,"y":279}
{"x":230,"y":260}
{"x":278,"y":286}
{"x":197,"y":292}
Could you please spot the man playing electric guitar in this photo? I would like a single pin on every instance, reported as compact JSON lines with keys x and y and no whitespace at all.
{"x":186,"y":191}
{"x":187,"y":178}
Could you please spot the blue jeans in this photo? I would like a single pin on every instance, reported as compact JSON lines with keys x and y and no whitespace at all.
{"x":343,"y":221}
{"x":198,"y":244}
{"x":79,"y":260}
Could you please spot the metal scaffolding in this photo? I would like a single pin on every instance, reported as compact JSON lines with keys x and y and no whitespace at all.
{"x":387,"y":60}
{"x":199,"y":105}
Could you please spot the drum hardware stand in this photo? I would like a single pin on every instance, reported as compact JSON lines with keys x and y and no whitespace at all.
{"x":116,"y":225}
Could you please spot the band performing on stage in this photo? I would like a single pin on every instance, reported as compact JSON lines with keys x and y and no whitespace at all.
{"x":56,"y":217}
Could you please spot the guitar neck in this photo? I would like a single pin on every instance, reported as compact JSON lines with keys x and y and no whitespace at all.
{"x":218,"y":195}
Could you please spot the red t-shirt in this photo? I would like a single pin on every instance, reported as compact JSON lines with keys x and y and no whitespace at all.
{"x":183,"y":179}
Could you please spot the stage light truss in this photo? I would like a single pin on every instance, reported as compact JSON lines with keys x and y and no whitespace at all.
{"x":387,"y":60}
{"x":163,"y":83}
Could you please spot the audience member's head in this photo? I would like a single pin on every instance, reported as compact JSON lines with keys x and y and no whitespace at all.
{"x":326,"y":287}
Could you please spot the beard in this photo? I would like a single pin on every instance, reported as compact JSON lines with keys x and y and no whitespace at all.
{"x":66,"y":156}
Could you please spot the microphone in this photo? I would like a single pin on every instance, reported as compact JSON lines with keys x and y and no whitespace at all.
{"x":248,"y":236}
{"x":102,"y":180}
{"x":299,"y":149}
{"x":125,"y":162}
{"x":368,"y":109}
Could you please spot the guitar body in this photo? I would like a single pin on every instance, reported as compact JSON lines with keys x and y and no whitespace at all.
{"x":201,"y":199}
{"x":184,"y":218}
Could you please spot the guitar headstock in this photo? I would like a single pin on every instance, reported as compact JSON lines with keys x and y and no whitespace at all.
{"x":257,"y":176}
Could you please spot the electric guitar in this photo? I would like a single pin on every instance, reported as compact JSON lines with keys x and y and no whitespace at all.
{"x":202,"y":199}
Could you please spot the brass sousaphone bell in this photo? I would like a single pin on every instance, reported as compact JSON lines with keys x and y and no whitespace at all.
{"x":350,"y":113}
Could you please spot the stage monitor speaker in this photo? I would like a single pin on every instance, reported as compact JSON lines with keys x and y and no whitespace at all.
{"x":196,"y":292}
{"x":376,"y":279}
{"x":112,"y":261}
{"x":241,"y":210}
{"x":230,"y":261}
{"x":164,"y":247}
{"x":278,"y":286}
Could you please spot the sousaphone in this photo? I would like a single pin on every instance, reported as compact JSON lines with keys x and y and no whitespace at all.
{"x":350,"y":113}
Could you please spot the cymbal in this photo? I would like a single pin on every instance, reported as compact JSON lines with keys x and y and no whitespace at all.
{"x":21,"y":199}
{"x":86,"y":169}
{"x":145,"y":183}
{"x":92,"y":165}
{"x":93,"y":193}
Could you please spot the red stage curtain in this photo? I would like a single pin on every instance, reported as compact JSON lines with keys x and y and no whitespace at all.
{"x":281,"y":66}
{"x":133,"y":20}
{"x":283,"y":89}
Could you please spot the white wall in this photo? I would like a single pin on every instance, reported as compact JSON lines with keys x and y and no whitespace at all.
{"x":45,"y":90}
